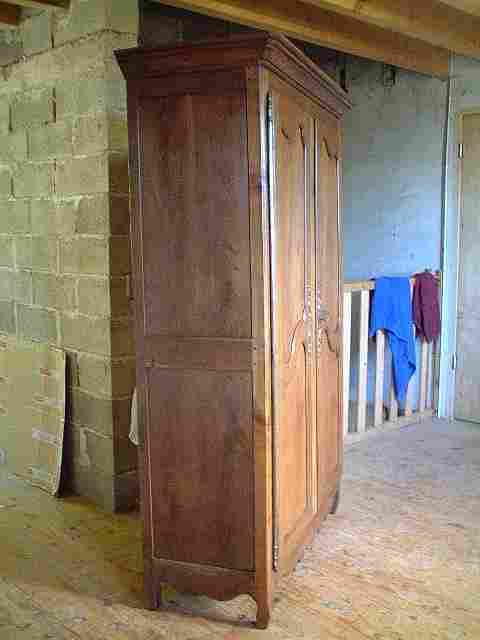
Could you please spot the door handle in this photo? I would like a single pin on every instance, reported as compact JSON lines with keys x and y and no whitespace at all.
{"x":333,"y":340}
{"x":292,"y":342}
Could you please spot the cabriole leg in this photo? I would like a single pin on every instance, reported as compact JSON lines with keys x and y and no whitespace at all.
{"x":264,"y":610}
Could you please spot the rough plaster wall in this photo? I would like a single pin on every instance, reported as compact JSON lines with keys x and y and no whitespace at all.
{"x":465,"y":96}
{"x":64,"y":250}
{"x":392,"y":172}
{"x":392,"y":182}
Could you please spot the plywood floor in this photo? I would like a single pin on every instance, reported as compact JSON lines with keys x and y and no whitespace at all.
{"x":400,"y":560}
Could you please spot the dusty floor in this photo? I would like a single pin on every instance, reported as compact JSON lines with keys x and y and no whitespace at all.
{"x":400,"y":560}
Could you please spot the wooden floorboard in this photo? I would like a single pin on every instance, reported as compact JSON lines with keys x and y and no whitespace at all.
{"x":399,"y":561}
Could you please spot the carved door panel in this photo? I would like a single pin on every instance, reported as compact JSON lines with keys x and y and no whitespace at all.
{"x":328,"y":330}
{"x":293,"y":366}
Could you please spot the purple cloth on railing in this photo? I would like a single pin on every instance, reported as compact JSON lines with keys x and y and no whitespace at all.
{"x":426,"y":310}
{"x":392,"y":312}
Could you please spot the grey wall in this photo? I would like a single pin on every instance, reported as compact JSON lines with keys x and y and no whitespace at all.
{"x":393,"y":197}
{"x":392,"y":172}
{"x":393,"y":166}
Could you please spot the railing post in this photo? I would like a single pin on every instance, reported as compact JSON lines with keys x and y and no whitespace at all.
{"x":423,"y":376}
{"x":411,"y":384}
{"x":429,"y":399}
{"x":363,"y":361}
{"x":435,"y":373}
{"x":347,"y":335}
{"x":409,"y":400}
{"x":379,"y":378}
{"x":393,"y":404}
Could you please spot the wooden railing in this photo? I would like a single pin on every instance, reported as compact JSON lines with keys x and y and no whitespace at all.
{"x":365,"y":407}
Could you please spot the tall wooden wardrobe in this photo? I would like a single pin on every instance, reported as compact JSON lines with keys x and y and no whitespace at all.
{"x":234,"y":161}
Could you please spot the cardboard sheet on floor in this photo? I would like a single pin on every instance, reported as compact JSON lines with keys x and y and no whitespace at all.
{"x":32,"y":411}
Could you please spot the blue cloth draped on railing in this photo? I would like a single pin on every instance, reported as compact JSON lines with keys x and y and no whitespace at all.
{"x":392,"y":312}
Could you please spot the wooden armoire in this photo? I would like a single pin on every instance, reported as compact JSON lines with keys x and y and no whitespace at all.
{"x":235,"y":174}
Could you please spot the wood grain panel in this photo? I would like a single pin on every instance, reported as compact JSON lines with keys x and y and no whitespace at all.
{"x":194,"y":82}
{"x":195,"y":216}
{"x":199,"y":353}
{"x":201,"y":448}
{"x":216,"y":582}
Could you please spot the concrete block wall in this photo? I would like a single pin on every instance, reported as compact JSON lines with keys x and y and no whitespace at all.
{"x":64,"y":221}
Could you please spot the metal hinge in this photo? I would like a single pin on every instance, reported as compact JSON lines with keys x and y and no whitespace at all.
{"x":460,"y":150}
{"x":269,"y":108}
{"x":276,"y":554}
{"x":454,"y":361}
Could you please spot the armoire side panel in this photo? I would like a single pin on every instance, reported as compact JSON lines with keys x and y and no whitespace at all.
{"x":196,"y":251}
{"x":201,"y":447}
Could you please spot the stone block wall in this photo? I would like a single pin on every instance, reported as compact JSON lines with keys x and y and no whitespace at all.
{"x":64,"y":221}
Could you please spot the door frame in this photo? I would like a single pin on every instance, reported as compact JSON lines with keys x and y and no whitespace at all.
{"x":449,"y":258}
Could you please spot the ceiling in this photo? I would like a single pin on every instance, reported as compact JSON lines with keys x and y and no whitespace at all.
{"x":10,"y":12}
{"x":413,"y":34}
{"x":470,"y":6}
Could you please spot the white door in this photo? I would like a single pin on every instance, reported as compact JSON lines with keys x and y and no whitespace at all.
{"x":467,"y":385}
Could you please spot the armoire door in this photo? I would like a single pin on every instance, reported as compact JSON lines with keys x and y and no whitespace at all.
{"x":328,"y":328}
{"x":291,"y":162}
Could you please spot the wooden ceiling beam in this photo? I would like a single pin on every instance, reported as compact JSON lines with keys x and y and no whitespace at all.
{"x":327,"y":29}
{"x":432,"y":21}
{"x":469,"y":6}
{"x":9,"y":15}
{"x":40,"y":4}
